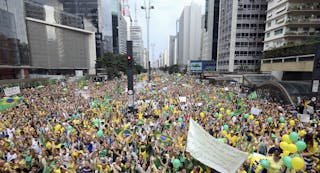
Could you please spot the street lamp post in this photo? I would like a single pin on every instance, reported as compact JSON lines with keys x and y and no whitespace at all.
{"x":147,"y":11}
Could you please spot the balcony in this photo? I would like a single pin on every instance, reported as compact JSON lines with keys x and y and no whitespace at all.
{"x":292,"y":50}
{"x":303,"y":7}
{"x":303,"y":21}
{"x":302,"y":34}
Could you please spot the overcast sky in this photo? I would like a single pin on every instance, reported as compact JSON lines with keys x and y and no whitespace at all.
{"x":162,"y":21}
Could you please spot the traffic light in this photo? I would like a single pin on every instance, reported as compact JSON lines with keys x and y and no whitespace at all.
{"x":130,"y":61}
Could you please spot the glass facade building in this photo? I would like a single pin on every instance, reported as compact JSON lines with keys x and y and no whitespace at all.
{"x":14,"y":50}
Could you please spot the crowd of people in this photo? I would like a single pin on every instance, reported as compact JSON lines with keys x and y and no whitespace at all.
{"x":68,"y":127}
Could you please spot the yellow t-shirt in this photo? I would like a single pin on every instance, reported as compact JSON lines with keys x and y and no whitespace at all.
{"x":275,"y":167}
{"x":255,"y":163}
{"x":107,"y":169}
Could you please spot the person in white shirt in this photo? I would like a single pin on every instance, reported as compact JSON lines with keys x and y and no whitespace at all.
{"x":11,"y":155}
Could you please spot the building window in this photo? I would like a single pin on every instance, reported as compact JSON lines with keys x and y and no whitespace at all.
{"x":279,"y":31}
{"x":305,"y":29}
{"x":269,"y":24}
{"x":293,"y":29}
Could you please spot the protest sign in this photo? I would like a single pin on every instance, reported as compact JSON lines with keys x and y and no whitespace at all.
{"x":255,"y":111}
{"x":209,"y":151}
{"x":12,"y":91}
{"x":183,"y":99}
{"x":305,"y":118}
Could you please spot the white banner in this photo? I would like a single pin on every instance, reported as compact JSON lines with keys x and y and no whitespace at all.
{"x":12,"y":91}
{"x":183,"y":99}
{"x":305,"y":118}
{"x":209,"y":151}
{"x":255,"y":111}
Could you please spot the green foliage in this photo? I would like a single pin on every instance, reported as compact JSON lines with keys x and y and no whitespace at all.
{"x":293,"y":49}
{"x":114,"y":64}
{"x":174,"y":69}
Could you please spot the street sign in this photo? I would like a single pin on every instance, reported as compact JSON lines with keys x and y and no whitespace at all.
{"x":315,"y":86}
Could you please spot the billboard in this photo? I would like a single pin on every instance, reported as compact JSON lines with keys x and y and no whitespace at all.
{"x":200,"y":66}
{"x":196,"y":66}
{"x":208,"y":66}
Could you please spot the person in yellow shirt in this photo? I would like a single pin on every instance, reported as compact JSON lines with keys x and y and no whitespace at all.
{"x":276,"y":164}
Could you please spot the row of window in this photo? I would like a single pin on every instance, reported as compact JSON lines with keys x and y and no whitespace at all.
{"x":246,"y":62}
{"x":248,"y":53}
{"x":247,"y":26}
{"x":252,"y":16}
{"x":241,"y":35}
{"x":240,"y":62}
{"x":276,"y":32}
{"x":250,"y":44}
{"x":253,"y":6}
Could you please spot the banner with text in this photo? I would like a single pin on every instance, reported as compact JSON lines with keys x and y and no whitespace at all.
{"x":209,"y":151}
{"x":12,"y":91}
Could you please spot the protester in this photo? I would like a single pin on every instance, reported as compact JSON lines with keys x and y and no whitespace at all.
{"x":85,"y":127}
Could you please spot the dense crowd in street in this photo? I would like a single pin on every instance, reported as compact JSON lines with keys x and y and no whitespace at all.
{"x":85,"y":127}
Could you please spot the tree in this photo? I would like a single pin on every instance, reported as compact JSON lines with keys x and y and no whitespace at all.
{"x":174,"y":69}
{"x":117,"y":63}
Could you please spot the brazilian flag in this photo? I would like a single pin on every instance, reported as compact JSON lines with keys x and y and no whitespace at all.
{"x":9,"y":102}
{"x":253,"y":95}
{"x":165,"y":139}
{"x":124,"y":134}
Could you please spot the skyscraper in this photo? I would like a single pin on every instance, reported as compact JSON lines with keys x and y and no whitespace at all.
{"x":14,"y":46}
{"x":136,"y":38}
{"x":241,"y":32}
{"x":189,"y":34}
{"x":172,"y":49}
{"x":106,"y":12}
{"x":119,"y":29}
{"x":91,"y":10}
{"x":291,"y":22}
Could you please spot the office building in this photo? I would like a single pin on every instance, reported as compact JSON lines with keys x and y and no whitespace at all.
{"x":137,"y":48}
{"x":210,"y":30}
{"x":291,"y":22}
{"x":119,"y":29}
{"x":241,"y":33}
{"x":172,"y":50}
{"x":189,"y":34}
{"x":58,"y":49}
{"x":106,"y":12}
{"x":291,"y":38}
{"x":91,"y":10}
{"x":15,"y":58}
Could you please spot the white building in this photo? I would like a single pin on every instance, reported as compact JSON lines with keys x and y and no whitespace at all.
{"x":189,"y":34}
{"x":290,"y":22}
{"x":241,"y":33}
{"x":137,"y":44}
{"x":122,"y":35}
{"x":172,"y":50}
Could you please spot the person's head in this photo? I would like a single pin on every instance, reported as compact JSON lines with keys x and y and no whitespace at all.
{"x":276,"y":155}
{"x":308,"y":138}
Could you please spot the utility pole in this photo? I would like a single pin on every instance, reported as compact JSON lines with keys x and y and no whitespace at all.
{"x":147,"y":11}
{"x":130,"y":77}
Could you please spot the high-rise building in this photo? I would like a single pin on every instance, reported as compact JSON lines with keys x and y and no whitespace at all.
{"x":55,"y":48}
{"x":106,"y":16}
{"x":137,"y":44}
{"x":172,"y":50}
{"x":91,"y":10}
{"x":241,"y":33}
{"x":210,"y":31}
{"x":14,"y":46}
{"x":291,"y":38}
{"x":119,"y":29}
{"x":189,"y":34}
{"x":122,"y":35}
{"x":291,"y":22}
